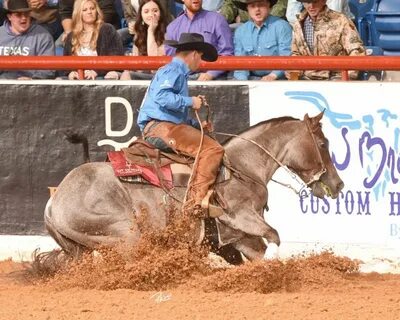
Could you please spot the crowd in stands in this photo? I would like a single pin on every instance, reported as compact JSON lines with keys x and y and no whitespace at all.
{"x":140,"y":28}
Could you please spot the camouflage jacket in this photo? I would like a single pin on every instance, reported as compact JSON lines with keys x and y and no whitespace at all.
{"x":334,"y":35}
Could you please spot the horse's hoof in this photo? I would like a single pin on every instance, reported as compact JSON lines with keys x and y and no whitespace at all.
{"x":272,"y":252}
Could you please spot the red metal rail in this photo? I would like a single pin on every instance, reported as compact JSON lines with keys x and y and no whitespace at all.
{"x":223,"y":63}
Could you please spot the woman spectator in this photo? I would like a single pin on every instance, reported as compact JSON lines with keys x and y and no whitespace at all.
{"x":149,"y":32}
{"x":131,"y":8}
{"x":91,"y":36}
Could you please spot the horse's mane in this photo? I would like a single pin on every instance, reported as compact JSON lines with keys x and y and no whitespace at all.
{"x":267,"y":123}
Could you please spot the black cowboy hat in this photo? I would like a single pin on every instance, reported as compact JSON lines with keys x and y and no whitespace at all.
{"x":179,"y":1}
{"x":17,"y":6}
{"x":194,"y":41}
{"x":242,"y":4}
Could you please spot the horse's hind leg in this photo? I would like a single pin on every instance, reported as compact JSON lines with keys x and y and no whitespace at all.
{"x":69,"y":246}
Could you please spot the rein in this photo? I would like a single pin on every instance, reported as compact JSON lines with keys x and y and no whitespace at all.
{"x":292,"y":174}
{"x":304,"y":185}
{"x":318,"y":175}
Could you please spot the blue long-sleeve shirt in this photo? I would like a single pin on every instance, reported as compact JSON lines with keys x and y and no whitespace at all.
{"x":167,"y":98}
{"x":274,"y":38}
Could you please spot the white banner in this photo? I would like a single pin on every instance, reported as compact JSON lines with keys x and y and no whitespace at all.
{"x":362,"y":124}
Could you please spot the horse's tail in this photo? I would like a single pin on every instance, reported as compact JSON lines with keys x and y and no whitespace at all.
{"x":45,"y":264}
{"x":75,"y":138}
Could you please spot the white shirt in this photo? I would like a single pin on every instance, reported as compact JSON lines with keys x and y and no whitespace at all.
{"x":294,"y":7}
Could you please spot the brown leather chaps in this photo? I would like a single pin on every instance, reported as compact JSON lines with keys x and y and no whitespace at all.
{"x":185,"y":139}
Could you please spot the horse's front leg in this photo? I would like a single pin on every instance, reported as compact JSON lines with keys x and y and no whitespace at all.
{"x":253,"y":248}
{"x":252,"y":223}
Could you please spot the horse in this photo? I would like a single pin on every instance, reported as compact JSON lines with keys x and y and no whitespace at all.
{"x":92,"y":207}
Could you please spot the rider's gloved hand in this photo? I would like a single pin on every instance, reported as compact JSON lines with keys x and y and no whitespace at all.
{"x":197,"y":102}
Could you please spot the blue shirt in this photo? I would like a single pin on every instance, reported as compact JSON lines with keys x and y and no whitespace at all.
{"x":211,"y":25}
{"x":167,"y":98}
{"x":272,"y":39}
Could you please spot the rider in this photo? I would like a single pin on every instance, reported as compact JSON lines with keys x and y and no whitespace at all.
{"x":164,"y":115}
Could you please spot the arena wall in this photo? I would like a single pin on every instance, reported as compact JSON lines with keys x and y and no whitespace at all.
{"x":361,"y":122}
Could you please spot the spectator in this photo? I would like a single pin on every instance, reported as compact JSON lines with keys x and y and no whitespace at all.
{"x":236,"y":16}
{"x":320,"y":31}
{"x":262,"y":35}
{"x":149,"y":30}
{"x":46,"y":16}
{"x":91,"y":36}
{"x":211,"y":25}
{"x":294,"y":8}
{"x":131,"y":8}
{"x":65,"y":8}
{"x":19,"y":36}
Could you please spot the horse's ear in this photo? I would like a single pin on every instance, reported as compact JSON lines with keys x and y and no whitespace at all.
{"x":314,"y":122}
{"x":318,"y":117}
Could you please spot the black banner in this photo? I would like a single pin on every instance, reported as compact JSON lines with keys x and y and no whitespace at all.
{"x":35,"y":119}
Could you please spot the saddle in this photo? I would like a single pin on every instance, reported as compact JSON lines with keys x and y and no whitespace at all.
{"x":143,"y":163}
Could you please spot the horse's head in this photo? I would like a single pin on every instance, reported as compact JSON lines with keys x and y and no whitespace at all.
{"x":311,"y":159}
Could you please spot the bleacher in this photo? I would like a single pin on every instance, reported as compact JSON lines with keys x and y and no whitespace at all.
{"x":378,"y":22}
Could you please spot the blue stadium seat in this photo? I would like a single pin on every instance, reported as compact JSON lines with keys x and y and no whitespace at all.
{"x":360,"y":8}
{"x":384,"y":26}
{"x":387,"y":5}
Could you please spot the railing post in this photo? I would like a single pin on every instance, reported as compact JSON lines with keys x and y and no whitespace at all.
{"x":345,"y":75}
{"x":81,"y":74}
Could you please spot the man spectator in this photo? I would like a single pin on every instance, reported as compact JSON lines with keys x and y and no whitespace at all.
{"x":211,"y":25}
{"x":234,"y":15}
{"x":262,"y":35}
{"x":320,"y":31}
{"x":20,"y":37}
{"x":46,"y":14}
{"x":294,"y":7}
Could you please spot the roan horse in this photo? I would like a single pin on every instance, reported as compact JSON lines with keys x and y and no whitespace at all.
{"x":92,"y":207}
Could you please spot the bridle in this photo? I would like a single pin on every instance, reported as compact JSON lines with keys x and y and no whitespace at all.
{"x":304,"y":190}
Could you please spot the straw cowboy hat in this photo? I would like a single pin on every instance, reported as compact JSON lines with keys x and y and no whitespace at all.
{"x":194,"y":41}
{"x":17,"y":6}
{"x":242,"y":4}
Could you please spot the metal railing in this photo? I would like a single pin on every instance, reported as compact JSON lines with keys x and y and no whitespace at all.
{"x":340,"y":64}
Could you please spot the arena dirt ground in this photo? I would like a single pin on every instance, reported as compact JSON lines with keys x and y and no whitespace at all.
{"x":165,"y":278}
{"x":325,"y":287}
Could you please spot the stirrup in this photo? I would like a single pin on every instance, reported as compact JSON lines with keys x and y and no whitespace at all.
{"x":213,"y":210}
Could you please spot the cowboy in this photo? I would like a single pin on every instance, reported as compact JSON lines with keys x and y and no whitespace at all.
{"x":164,"y":115}
{"x":19,"y":36}
{"x":262,"y":35}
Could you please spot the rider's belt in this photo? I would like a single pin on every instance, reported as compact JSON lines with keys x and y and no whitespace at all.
{"x":150,"y":125}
